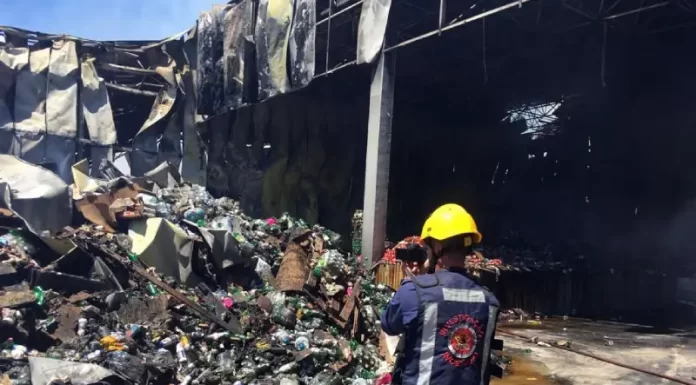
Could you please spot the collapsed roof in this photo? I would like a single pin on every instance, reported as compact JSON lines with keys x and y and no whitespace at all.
{"x":64,"y":98}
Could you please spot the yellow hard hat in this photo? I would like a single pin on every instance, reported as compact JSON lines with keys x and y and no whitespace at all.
{"x":448,"y":221}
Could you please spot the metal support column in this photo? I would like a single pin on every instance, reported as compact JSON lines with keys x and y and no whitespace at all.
{"x":377,"y":158}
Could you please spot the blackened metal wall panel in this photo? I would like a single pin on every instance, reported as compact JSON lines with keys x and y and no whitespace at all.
{"x":210,"y":70}
{"x":145,"y":155}
{"x":96,"y":109}
{"x":61,"y":97}
{"x":264,"y":72}
{"x":273,"y":27}
{"x":30,"y":108}
{"x":302,"y":43}
{"x":12,"y":60}
{"x":194,"y":162}
{"x":30,"y":93}
{"x":237,"y":28}
{"x":371,"y":29}
{"x":61,"y":107}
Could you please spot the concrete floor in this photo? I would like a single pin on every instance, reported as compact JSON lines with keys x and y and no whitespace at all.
{"x":672,"y":353}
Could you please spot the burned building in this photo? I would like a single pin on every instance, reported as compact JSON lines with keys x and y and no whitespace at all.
{"x":563,"y":126}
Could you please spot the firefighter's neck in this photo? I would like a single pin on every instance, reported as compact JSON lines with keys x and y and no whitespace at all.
{"x":452,"y":261}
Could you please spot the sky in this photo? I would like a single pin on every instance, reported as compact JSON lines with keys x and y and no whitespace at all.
{"x":104,"y":19}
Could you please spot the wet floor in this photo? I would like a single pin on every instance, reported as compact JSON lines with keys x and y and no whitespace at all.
{"x":522,"y":370}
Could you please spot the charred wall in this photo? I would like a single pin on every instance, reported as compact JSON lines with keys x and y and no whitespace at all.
{"x":302,"y":153}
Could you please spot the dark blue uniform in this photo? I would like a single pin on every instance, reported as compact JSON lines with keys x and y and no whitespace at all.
{"x":448,"y":323}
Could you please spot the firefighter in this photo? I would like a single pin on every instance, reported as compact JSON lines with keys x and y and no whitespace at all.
{"x":447,"y":321}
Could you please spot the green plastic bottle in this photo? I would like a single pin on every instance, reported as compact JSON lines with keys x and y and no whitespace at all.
{"x":40,"y":295}
{"x":153,"y":290}
{"x":368,"y":375}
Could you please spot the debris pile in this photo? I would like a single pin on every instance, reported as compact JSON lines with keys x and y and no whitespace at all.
{"x":165,"y":284}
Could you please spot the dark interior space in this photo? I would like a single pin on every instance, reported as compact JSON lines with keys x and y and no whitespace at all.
{"x":603,"y":171}
{"x":567,"y":133}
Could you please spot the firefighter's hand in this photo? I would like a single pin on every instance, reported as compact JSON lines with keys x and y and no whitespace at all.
{"x":414,"y":267}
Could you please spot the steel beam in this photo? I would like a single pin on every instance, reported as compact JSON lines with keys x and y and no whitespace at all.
{"x":377,"y":158}
{"x":516,"y":3}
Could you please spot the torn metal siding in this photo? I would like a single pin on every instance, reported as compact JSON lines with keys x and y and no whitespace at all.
{"x":34,"y":140}
{"x":97,"y":113}
{"x":62,"y":107}
{"x":170,"y":146}
{"x":40,"y":122}
{"x":302,"y":43}
{"x":36,"y":195}
{"x":273,"y":25}
{"x":238,"y":27}
{"x":194,"y":162}
{"x":210,"y":70}
{"x":145,"y":154}
{"x":263,"y":70}
{"x":30,"y":96}
{"x":371,"y":29}
{"x":61,"y":98}
{"x":12,"y":60}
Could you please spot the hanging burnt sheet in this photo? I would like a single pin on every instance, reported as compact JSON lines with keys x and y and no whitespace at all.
{"x":30,"y":109}
{"x":210,"y":70}
{"x":273,"y":25}
{"x":170,"y":147}
{"x":193,"y":164}
{"x":219,"y":131}
{"x":96,"y":109}
{"x":12,"y":60}
{"x":145,"y":147}
{"x":238,"y":28}
{"x":145,"y":154}
{"x":371,"y":29}
{"x":61,"y":107}
{"x":30,"y":94}
{"x":61,"y":100}
{"x":264,"y":76}
{"x":190,"y":48}
{"x":302,"y":43}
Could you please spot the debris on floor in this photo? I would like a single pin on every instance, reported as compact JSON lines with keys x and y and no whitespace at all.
{"x":165,"y":284}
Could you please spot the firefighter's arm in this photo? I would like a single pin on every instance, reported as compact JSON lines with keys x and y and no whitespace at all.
{"x":401,"y":310}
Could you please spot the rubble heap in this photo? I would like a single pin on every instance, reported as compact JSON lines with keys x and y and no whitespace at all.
{"x":165,"y":284}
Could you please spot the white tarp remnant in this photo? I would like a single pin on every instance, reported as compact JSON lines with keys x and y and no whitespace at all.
{"x":46,"y":370}
{"x":34,"y":194}
{"x":371,"y":29}
{"x":99,"y":117}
